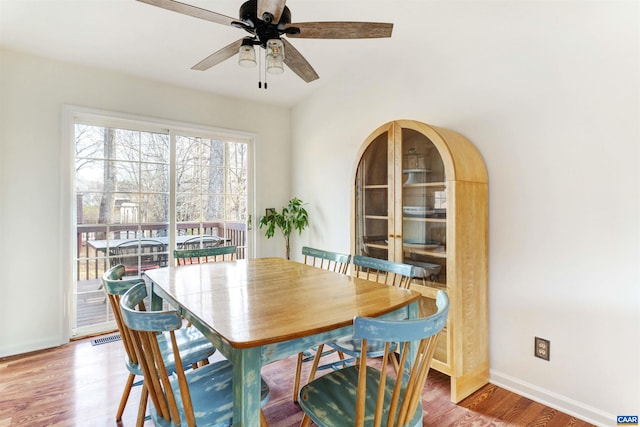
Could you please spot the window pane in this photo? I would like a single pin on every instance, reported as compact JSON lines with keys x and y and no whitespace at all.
{"x":214,"y":179}
{"x":237,"y":183}
{"x":217,"y":153}
{"x":154,"y":177}
{"x":236,"y":207}
{"x":188,"y":207}
{"x":187,"y":150}
{"x":126,"y":208}
{"x":89,"y":174}
{"x":89,"y":142}
{"x":154,"y":208}
{"x":125,"y":175}
{"x":126,"y":142}
{"x":214,"y":208}
{"x":155,"y":147}
{"x":188,"y":179}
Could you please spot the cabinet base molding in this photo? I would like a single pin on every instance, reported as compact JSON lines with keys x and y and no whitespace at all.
{"x":464,"y":385}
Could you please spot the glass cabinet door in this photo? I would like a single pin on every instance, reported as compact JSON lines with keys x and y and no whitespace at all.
{"x":372,"y":199}
{"x":401,"y":203}
{"x":424,"y":208}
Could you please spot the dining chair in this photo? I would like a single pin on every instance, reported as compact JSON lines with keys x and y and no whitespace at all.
{"x":356,"y":395}
{"x":197,"y":256}
{"x":139,"y":255}
{"x":203,"y":241}
{"x":378,"y":270}
{"x":202,"y":397}
{"x":195,"y":348}
{"x":383,"y":271}
{"x":327,"y":260}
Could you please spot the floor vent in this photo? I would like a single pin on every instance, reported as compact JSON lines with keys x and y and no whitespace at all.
{"x":105,"y":340}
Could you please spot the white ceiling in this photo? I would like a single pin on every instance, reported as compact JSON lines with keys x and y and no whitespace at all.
{"x":144,"y":40}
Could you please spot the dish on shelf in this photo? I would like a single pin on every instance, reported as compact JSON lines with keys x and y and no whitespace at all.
{"x":423,"y":170}
{"x":421,"y":245}
{"x":425,"y":269}
{"x":417,"y":211}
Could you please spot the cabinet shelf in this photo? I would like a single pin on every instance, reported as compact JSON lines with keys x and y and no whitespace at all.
{"x":376,"y":187}
{"x":381,"y":217}
{"x":427,"y":219}
{"x":439,"y":252}
{"x":431,"y":185}
{"x":377,"y":244}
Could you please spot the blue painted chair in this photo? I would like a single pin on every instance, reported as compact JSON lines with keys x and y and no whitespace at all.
{"x":203,"y":396}
{"x":195,"y":347}
{"x":383,"y":271}
{"x":377,"y":270}
{"x":327,"y":260}
{"x":363,"y":395}
{"x":213,"y":254}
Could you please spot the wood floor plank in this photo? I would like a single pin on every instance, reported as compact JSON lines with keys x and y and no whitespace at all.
{"x":80,"y":385}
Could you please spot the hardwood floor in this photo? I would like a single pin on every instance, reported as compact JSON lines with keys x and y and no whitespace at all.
{"x":80,"y":385}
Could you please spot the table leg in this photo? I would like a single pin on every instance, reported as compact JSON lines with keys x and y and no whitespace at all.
{"x":246,"y":386}
{"x":156,"y":300}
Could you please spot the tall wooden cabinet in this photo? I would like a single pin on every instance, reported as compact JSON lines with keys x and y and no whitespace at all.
{"x":421,"y":198}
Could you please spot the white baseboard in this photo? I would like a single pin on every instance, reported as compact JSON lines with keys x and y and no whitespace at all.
{"x":12,"y":350}
{"x":553,"y":400}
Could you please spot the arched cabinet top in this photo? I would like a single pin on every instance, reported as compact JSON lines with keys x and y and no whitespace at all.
{"x":462,"y":160}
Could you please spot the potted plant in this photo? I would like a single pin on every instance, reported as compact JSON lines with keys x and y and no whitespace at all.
{"x":292,"y":217}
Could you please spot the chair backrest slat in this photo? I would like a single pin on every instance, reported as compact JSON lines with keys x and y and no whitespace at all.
{"x":383,"y":271}
{"x":327,"y":260}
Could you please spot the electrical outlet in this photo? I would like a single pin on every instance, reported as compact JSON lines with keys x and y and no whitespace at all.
{"x":542,"y":348}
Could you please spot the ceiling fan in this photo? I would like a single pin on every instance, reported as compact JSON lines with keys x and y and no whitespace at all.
{"x":266,"y":21}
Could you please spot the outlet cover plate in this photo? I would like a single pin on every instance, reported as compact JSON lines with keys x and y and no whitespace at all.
{"x":542,"y":348}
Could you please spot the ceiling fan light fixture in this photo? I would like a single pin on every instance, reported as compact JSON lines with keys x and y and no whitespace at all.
{"x":247,"y":54}
{"x":275,"y":56}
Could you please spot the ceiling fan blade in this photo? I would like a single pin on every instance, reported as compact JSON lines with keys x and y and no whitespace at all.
{"x":274,"y":7}
{"x":297,"y":63}
{"x":219,"y":56}
{"x":190,"y":10}
{"x":341,"y":30}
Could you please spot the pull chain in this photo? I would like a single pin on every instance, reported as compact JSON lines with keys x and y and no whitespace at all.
{"x":259,"y":72}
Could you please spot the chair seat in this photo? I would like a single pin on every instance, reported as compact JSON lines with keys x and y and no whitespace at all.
{"x":330,"y":400}
{"x":193,"y":346}
{"x":208,"y":384}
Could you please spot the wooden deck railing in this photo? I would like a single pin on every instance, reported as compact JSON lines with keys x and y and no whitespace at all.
{"x":91,"y":265}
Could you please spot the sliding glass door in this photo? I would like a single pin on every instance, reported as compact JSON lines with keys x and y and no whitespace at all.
{"x":142,"y":191}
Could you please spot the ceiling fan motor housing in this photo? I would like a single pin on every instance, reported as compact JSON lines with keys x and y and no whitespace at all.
{"x":263,"y":27}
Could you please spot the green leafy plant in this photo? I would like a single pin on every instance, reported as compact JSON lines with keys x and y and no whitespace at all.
{"x":292,"y":217}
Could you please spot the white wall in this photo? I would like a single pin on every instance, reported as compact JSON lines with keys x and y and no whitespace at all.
{"x":35,"y":205}
{"x":550,"y":94}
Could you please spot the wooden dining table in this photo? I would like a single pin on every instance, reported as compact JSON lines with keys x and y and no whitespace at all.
{"x":256,"y":311}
